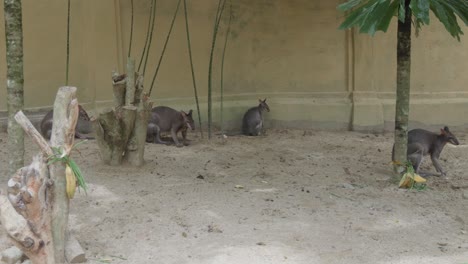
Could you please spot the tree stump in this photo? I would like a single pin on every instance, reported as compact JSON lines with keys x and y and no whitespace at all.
{"x":121,"y":131}
{"x":34,"y":212}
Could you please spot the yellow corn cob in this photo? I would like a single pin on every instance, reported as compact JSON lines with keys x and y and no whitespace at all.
{"x":71,"y":182}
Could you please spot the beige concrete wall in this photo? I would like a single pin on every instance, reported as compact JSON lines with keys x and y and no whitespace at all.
{"x":288,"y":51}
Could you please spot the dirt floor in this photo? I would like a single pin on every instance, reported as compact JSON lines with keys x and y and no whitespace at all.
{"x":293,"y":196}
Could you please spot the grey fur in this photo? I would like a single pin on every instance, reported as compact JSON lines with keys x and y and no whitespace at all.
{"x":166,"y":119}
{"x":83,"y":125}
{"x":252,"y":122}
{"x":422,"y":142}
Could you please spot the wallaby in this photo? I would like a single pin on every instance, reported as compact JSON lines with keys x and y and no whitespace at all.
{"x":83,"y":125}
{"x":165,"y":119}
{"x":422,"y":142}
{"x":252,"y":123}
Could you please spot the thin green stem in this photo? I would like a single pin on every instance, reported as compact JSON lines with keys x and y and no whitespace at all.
{"x":219,"y":13}
{"x":222,"y":66}
{"x":191,"y":67}
{"x":131,"y":33}
{"x":164,"y":48}
{"x":153,"y":5}
{"x":150,"y":38}
{"x":68,"y":44}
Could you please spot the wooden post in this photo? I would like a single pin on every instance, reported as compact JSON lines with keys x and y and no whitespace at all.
{"x":63,"y":135}
{"x":35,"y":210}
{"x":121,"y":131}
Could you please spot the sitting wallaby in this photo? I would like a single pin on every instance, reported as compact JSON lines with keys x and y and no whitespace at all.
{"x":165,"y":119}
{"x":83,"y":125}
{"x":422,"y":142}
{"x":252,"y":123}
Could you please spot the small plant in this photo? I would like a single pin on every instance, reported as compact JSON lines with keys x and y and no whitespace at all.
{"x":73,"y":173}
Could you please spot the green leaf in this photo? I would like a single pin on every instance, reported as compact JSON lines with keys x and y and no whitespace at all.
{"x":349,"y":5}
{"x":420,"y":9}
{"x":460,"y":8}
{"x":356,"y":16}
{"x":385,"y":21}
{"x":402,"y":11}
{"x":447,"y":17}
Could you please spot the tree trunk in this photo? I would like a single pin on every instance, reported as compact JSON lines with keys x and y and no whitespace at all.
{"x":15,"y":81}
{"x":63,"y":135}
{"x":34,"y":212}
{"x":403,"y":90}
{"x":121,"y":132}
{"x":136,"y":144}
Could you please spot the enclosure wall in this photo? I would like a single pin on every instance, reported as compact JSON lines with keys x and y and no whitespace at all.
{"x":290,"y":52}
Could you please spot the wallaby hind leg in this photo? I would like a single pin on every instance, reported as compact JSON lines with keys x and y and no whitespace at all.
{"x":415,"y":156}
{"x":174,"y":137}
{"x":435,"y":162}
{"x":157,"y":138}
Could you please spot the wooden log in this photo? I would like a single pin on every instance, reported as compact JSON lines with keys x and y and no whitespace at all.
{"x":118,"y":88}
{"x":29,"y":128}
{"x":138,"y":88}
{"x":105,"y":148}
{"x":59,"y":139}
{"x":109,"y":136}
{"x":73,"y":251}
{"x":128,"y":122}
{"x":26,"y":212}
{"x":130,"y":82}
{"x":136,"y":145}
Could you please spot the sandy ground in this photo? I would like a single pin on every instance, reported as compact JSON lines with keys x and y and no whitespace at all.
{"x":291,"y":197}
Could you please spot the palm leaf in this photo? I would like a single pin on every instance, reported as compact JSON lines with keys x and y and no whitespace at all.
{"x":375,"y":15}
{"x":447,"y":17}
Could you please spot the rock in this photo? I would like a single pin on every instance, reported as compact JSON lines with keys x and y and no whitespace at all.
{"x":12,"y":255}
{"x":465,"y":195}
{"x":348,"y":186}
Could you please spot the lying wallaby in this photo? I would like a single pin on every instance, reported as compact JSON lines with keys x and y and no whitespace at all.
{"x":422,"y":142}
{"x":165,"y":119}
{"x":83,"y":125}
{"x":252,"y":123}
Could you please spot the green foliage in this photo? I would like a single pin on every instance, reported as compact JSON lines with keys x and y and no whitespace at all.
{"x":59,"y":155}
{"x":371,"y":16}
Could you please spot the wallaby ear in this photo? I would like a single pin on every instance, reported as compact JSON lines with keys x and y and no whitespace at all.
{"x":190,"y":112}
{"x":264,"y":100}
{"x":446,"y":129}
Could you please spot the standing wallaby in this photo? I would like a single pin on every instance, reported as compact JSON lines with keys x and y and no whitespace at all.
{"x":83,"y":125}
{"x":422,"y":142}
{"x":165,"y":119}
{"x":252,"y":123}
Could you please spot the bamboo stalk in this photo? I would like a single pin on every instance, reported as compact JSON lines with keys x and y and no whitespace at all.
{"x":210,"y":66}
{"x":222,"y":67}
{"x":192,"y":68}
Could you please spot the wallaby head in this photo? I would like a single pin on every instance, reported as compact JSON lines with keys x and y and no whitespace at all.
{"x":263,"y":105}
{"x":188,"y":119}
{"x":448,"y":136}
